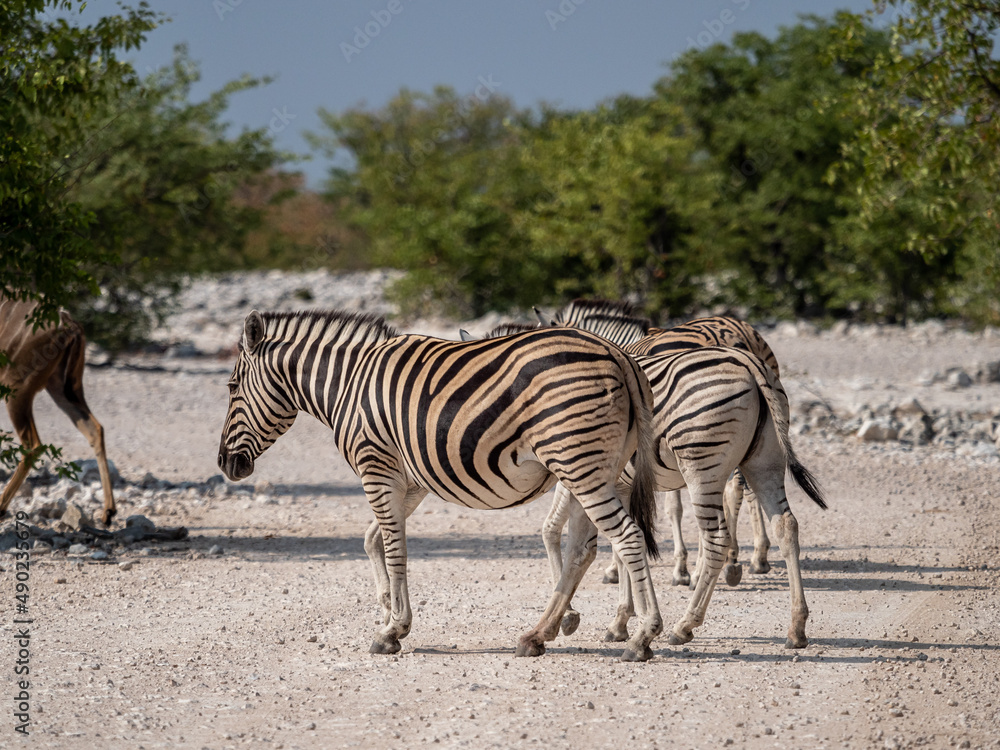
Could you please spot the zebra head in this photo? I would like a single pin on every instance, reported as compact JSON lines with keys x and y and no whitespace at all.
{"x":260,"y":410}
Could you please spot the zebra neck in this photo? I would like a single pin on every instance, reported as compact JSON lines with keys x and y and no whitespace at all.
{"x":321,"y":378}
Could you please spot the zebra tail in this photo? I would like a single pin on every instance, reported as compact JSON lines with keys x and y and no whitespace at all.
{"x":777,"y":404}
{"x":642,"y":497}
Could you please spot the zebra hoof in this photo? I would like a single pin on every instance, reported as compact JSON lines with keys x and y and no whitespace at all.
{"x":529,"y":648}
{"x":570,"y":622}
{"x":678,"y":640}
{"x":760,"y":568}
{"x":733,"y":574}
{"x":800,"y":642}
{"x":611,"y":577}
{"x":682,"y":579}
{"x":645,"y":653}
{"x":613,"y":636}
{"x":378,"y":647}
{"x":108,"y":517}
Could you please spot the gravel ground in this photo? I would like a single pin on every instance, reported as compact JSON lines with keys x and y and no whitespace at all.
{"x":254,"y":631}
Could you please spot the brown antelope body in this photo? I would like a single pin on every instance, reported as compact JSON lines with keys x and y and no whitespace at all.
{"x":49,"y":357}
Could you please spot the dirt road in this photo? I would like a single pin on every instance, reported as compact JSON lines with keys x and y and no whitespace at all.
{"x":255,"y":631}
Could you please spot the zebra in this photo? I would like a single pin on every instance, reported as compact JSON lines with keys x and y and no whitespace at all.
{"x":715,"y":409}
{"x":617,"y":322}
{"x":484,"y":424}
{"x":50,"y":357}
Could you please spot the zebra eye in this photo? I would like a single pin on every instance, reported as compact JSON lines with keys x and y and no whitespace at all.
{"x":233,"y":386}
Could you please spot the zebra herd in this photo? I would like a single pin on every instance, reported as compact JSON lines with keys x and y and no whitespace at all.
{"x":594,"y":399}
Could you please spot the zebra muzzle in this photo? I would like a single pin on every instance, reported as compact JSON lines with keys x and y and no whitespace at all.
{"x":235,"y":466}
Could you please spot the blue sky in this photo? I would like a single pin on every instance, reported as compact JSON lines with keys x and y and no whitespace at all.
{"x":570,"y":53}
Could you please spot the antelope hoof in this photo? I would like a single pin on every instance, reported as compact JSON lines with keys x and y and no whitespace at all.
{"x":760,"y":568}
{"x":681,"y":579}
{"x":610,"y":577}
{"x":378,"y":647}
{"x":676,"y":639}
{"x":570,"y":622}
{"x":644,"y":653}
{"x":733,"y":573}
{"x":615,"y":636}
{"x":529,"y":648}
{"x":796,"y":642}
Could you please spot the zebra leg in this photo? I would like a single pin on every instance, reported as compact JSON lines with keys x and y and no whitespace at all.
{"x":611,"y":572}
{"x":732,"y":498}
{"x":768,"y":482}
{"x":375,"y":549}
{"x":606,"y":511}
{"x":581,"y":549}
{"x":552,"y":537}
{"x":392,"y":504}
{"x":681,"y":576}
{"x":761,"y":544}
{"x":715,"y":540}
{"x":617,"y":631}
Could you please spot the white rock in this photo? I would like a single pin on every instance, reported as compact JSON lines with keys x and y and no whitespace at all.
{"x":958,"y":378}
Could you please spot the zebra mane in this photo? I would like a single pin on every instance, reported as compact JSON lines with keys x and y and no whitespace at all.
{"x":509,"y":329}
{"x":579,"y":309}
{"x":627,"y":329}
{"x":339,"y":325}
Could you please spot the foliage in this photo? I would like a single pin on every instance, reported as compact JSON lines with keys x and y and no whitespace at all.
{"x":930,"y":110}
{"x":489,"y":208}
{"x":431,"y":184}
{"x":51,"y":75}
{"x":160,"y":177}
{"x":616,"y":194}
{"x":754,"y":103}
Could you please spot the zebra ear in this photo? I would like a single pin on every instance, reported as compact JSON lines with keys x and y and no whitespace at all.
{"x":465,"y":335}
{"x":544,"y":319}
{"x":253,"y":331}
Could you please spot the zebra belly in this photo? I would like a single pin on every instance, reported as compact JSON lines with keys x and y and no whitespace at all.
{"x":522,"y":485}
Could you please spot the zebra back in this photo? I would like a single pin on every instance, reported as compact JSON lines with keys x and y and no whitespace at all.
{"x":619,"y":330}
{"x":712,"y":331}
{"x":579,"y":309}
{"x":508,"y":329}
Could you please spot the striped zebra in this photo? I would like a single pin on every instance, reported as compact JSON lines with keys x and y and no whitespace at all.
{"x":484,"y":424}
{"x":715,"y":410}
{"x":617,"y":322}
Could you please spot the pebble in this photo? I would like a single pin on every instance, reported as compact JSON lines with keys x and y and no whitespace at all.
{"x":78,"y":549}
{"x":99,"y":555}
{"x":126,"y":565}
{"x":215,"y":549}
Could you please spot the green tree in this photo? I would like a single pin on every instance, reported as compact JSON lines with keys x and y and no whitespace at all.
{"x":930,"y":114}
{"x":755,"y":105}
{"x":433,"y":183}
{"x":161,"y":176}
{"x":51,"y":75}
{"x":616,"y":192}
